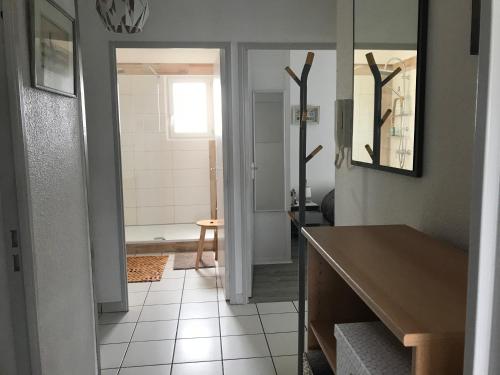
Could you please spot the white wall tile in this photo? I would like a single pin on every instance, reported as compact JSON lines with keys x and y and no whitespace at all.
{"x":129,"y":198}
{"x":130,"y":215}
{"x":155,"y":197}
{"x":128,"y":178}
{"x":191,"y":177}
{"x":153,"y":164}
{"x":155,"y":215}
{"x":128,"y":160}
{"x":190,"y":144}
{"x":191,"y":196}
{"x":145,"y":179}
{"x":190,"y":159}
{"x":153,"y":160}
{"x":191,"y":214}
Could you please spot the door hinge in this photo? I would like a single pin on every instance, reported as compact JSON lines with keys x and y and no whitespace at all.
{"x":14,"y":239}
{"x":16,"y":263}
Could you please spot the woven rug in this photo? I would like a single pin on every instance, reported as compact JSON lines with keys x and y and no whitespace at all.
{"x":187,"y":260}
{"x":146,"y":268}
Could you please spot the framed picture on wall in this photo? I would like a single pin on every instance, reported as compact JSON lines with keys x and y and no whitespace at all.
{"x":53,"y":48}
{"x":312,"y":114}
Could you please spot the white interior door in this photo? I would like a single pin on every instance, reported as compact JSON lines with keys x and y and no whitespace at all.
{"x":271,"y":224}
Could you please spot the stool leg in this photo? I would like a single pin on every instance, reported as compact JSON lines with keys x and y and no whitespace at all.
{"x":216,"y":244}
{"x":201,"y":242}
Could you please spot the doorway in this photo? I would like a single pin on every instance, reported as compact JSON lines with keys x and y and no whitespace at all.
{"x":270,"y":99}
{"x":170,"y":115}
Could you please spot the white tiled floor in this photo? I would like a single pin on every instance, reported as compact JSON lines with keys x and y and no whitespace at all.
{"x":182,"y":326}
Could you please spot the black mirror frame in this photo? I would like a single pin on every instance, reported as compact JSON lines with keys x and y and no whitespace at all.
{"x":419,"y":96}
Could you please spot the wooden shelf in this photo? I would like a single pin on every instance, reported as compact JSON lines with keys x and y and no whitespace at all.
{"x":324,"y":333}
{"x":414,"y":284}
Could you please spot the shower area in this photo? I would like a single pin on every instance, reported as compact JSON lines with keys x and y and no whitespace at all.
{"x":397,"y":133}
{"x":168,"y":103}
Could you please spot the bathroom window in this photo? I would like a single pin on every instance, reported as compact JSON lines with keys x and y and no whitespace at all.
{"x":190,"y":104}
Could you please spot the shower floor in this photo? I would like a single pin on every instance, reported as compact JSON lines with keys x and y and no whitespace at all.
{"x":163,"y":233}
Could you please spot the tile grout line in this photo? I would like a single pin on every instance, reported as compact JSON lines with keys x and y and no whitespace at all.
{"x":177,"y":329}
{"x":267,"y":342}
{"x":135,"y":327}
{"x":220,"y":328}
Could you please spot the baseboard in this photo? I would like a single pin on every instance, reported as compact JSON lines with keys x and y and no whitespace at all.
{"x":265,"y":262}
{"x":111,"y":307}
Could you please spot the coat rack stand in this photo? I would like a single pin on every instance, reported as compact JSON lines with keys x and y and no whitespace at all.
{"x":303,"y":159}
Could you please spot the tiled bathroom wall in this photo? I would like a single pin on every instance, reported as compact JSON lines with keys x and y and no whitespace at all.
{"x":165,"y":181}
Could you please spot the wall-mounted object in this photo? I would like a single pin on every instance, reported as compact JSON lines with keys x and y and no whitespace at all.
{"x":53,"y":46}
{"x":475,"y":27}
{"x":343,"y":132}
{"x":389,"y":77}
{"x":123,"y":16}
{"x":312,"y":114}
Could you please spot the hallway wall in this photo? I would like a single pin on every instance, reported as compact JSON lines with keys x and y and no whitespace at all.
{"x":438,"y":203}
{"x":49,"y":154}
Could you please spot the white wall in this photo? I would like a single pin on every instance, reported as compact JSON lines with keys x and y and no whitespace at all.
{"x":181,"y":21}
{"x":321,"y":91}
{"x":51,"y":186}
{"x":165,"y":180}
{"x":437,"y":203}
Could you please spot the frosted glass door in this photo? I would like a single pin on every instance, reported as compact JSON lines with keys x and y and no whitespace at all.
{"x":269,"y":152}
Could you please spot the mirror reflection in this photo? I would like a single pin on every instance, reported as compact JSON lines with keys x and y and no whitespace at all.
{"x":385,"y":84}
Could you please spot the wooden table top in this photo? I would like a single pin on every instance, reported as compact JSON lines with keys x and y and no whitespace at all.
{"x":415,"y":284}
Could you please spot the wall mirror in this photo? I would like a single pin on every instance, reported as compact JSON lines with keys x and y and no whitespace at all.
{"x":389,"y":78}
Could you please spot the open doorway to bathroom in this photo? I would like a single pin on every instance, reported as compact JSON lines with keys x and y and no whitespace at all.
{"x":271,"y":127}
{"x":170,"y":118}
{"x":171,"y":111}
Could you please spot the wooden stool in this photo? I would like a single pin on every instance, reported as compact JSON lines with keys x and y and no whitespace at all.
{"x":204,"y":225}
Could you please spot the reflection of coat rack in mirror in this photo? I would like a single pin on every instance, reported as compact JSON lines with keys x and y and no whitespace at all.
{"x":378,"y":119}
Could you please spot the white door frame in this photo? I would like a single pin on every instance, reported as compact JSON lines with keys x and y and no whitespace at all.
{"x":246,"y":145}
{"x":483,"y":306}
{"x":225,"y":72}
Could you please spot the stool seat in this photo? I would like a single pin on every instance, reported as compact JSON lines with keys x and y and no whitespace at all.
{"x":204,"y":225}
{"x":210,"y":224}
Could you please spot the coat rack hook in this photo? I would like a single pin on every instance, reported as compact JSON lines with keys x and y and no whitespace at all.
{"x":386,"y":115}
{"x":369,"y":150}
{"x":293,"y":75}
{"x":314,"y":153}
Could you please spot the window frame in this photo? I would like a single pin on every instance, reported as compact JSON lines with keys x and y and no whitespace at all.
{"x":170,"y":81}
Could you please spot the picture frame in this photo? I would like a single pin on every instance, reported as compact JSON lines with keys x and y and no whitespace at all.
{"x":53,"y":49}
{"x":312,"y":114}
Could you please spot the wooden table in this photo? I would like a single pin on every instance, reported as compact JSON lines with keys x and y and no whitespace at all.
{"x":414,"y":284}
{"x":204,"y":225}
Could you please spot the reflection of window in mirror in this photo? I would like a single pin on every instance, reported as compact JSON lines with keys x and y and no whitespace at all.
{"x":398,"y":96}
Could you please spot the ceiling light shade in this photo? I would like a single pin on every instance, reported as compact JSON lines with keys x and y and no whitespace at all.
{"x":123,"y":16}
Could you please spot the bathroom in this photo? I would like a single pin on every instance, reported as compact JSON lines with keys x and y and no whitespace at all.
{"x":167,"y":102}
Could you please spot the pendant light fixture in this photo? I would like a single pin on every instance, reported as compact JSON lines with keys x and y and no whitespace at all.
{"x":123,"y":16}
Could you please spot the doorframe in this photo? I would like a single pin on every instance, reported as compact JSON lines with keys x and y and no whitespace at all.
{"x":245,"y":141}
{"x":225,"y":73}
{"x":483,"y":299}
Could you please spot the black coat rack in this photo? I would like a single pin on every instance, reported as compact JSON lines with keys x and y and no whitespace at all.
{"x":378,"y":119}
{"x":303,"y":160}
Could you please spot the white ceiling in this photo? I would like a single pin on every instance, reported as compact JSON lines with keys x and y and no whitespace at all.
{"x":167,"y":55}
